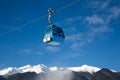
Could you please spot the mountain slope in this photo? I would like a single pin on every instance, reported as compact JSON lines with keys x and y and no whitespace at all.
{"x":1,"y":78}
{"x":106,"y":74}
{"x":22,"y":76}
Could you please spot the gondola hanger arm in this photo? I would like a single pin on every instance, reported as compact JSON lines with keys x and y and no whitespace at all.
{"x":50,"y":12}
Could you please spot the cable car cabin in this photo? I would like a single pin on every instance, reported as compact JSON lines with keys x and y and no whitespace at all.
{"x":54,"y":35}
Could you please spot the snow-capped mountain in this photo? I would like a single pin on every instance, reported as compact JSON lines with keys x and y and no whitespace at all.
{"x":42,"y":72}
{"x":43,"y":69}
{"x":28,"y":68}
{"x":9,"y":71}
{"x":85,"y":68}
{"x":37,"y":68}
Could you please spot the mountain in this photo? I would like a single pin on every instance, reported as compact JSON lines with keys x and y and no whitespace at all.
{"x":106,"y":74}
{"x":42,"y":72}
{"x":1,"y":78}
{"x":9,"y":71}
{"x":28,"y":68}
{"x":40,"y":68}
{"x":84,"y":68}
{"x":37,"y":68}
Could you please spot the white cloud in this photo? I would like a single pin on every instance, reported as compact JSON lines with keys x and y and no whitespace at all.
{"x":105,"y":4}
{"x":53,"y":49}
{"x":69,"y":21}
{"x":115,"y":11}
{"x":26,"y":51}
{"x":72,"y":37}
{"x":73,"y":55}
{"x":76,"y":46}
{"x":101,"y":29}
{"x":74,"y":19}
{"x":80,"y":39}
{"x":99,"y":5}
{"x":39,"y":53}
{"x":104,"y":11}
{"x":94,"y":19}
{"x":70,"y":30}
{"x":94,"y":25}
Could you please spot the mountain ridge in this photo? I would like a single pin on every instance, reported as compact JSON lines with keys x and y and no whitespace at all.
{"x":41,"y":68}
{"x":42,"y":72}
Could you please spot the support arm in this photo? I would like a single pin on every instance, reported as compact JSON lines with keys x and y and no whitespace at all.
{"x":50,"y":12}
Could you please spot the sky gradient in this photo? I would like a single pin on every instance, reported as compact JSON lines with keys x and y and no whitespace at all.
{"x":91,"y":27}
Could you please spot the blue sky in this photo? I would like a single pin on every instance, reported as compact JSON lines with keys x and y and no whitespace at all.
{"x":91,"y":27}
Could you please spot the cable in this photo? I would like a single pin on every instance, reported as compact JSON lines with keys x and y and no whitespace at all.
{"x":34,"y":20}
{"x":25,"y":24}
{"x":72,"y":3}
{"x":114,"y":23}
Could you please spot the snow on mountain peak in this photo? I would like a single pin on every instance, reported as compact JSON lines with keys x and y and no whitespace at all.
{"x":28,"y":68}
{"x":25,"y":67}
{"x":85,"y":68}
{"x":37,"y":68}
{"x":90,"y":69}
{"x":53,"y":68}
{"x":9,"y":71}
{"x":42,"y":68}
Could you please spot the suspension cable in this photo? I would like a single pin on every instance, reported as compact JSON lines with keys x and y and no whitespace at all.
{"x":34,"y":20}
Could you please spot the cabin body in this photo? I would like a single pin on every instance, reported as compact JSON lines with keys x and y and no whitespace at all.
{"x":54,"y":35}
